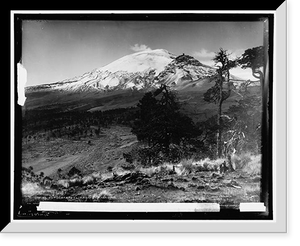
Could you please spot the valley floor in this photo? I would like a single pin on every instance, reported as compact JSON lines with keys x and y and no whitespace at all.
{"x":93,"y":156}
{"x":88,"y":154}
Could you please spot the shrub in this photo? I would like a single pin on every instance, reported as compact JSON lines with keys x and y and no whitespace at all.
{"x":146,"y":156}
{"x":253,"y":167}
{"x":64,"y":183}
{"x":104,"y":195}
{"x":187,"y":165}
{"x":128,"y":166}
{"x":96,"y":175}
{"x":240,"y":161}
{"x":176,"y":153}
{"x":88,"y":180}
{"x":149,"y":171}
{"x":206,"y":166}
{"x":30,"y":188}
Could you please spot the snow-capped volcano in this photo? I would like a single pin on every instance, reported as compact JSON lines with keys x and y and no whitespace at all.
{"x":141,"y":61}
{"x":140,"y":70}
{"x":123,"y":82}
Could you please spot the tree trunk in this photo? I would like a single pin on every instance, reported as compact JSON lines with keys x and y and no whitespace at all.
{"x":259,"y":75}
{"x":231,"y":169}
{"x":219,"y":120}
{"x":219,"y":134}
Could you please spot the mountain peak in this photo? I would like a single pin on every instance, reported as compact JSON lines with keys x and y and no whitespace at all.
{"x":187,"y":60}
{"x":140,"y":70}
{"x":141,"y":61}
{"x":155,"y":52}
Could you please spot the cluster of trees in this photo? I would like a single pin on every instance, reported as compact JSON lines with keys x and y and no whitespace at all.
{"x":53,"y":123}
{"x":29,"y":175}
{"x":238,"y":128}
{"x":169,"y":135}
{"x":164,"y":130}
{"x":248,"y":109}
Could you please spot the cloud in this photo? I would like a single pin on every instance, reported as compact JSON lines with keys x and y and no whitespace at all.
{"x":204,"y":54}
{"x":243,"y":73}
{"x":205,"y":57}
{"x":235,"y":53}
{"x":139,"y":47}
{"x":208,"y":62}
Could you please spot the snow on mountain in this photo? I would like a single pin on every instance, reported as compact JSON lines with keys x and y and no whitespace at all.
{"x":141,"y":61}
{"x":140,"y":70}
{"x":127,"y":72}
{"x":122,"y":82}
{"x":184,"y":68}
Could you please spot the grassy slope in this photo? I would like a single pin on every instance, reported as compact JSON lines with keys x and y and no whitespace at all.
{"x":106,"y":151}
{"x":192,"y":181}
{"x":160,"y":185}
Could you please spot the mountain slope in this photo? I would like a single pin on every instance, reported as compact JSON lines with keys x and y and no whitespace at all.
{"x":141,"y":61}
{"x":123,"y":82}
{"x":140,"y":70}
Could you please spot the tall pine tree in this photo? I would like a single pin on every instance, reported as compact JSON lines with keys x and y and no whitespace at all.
{"x":159,"y":122}
{"x":218,"y":93}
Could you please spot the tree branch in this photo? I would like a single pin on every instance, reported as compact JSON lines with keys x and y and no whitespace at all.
{"x":256,"y":71}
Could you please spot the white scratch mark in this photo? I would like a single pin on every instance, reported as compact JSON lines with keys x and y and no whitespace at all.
{"x":22,"y":79}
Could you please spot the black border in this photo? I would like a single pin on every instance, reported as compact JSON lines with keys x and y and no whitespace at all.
{"x":188,"y":17}
{"x":267,"y":116}
{"x":258,"y":5}
{"x":287,"y":119}
{"x":225,"y":213}
{"x":18,"y":118}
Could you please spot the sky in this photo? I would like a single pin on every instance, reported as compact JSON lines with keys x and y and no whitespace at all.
{"x":56,"y":50}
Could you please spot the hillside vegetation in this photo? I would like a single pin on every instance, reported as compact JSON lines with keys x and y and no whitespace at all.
{"x":196,"y":141}
{"x":103,"y":175}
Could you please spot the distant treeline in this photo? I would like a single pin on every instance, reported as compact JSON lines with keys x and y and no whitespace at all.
{"x":59,"y":123}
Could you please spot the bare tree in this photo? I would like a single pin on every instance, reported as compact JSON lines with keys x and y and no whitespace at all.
{"x":218,"y":94}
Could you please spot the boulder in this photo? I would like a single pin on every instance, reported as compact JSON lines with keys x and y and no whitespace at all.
{"x":201,"y":187}
{"x":167,"y":179}
{"x":64,"y":183}
{"x":88,"y":180}
{"x":232,"y":183}
{"x":73,"y":171}
{"x":75,"y":182}
{"x":47,"y":182}
{"x":194,"y":178}
{"x":214,"y":188}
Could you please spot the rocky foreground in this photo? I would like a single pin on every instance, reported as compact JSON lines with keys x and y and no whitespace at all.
{"x":160,"y":184}
{"x":94,"y":170}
